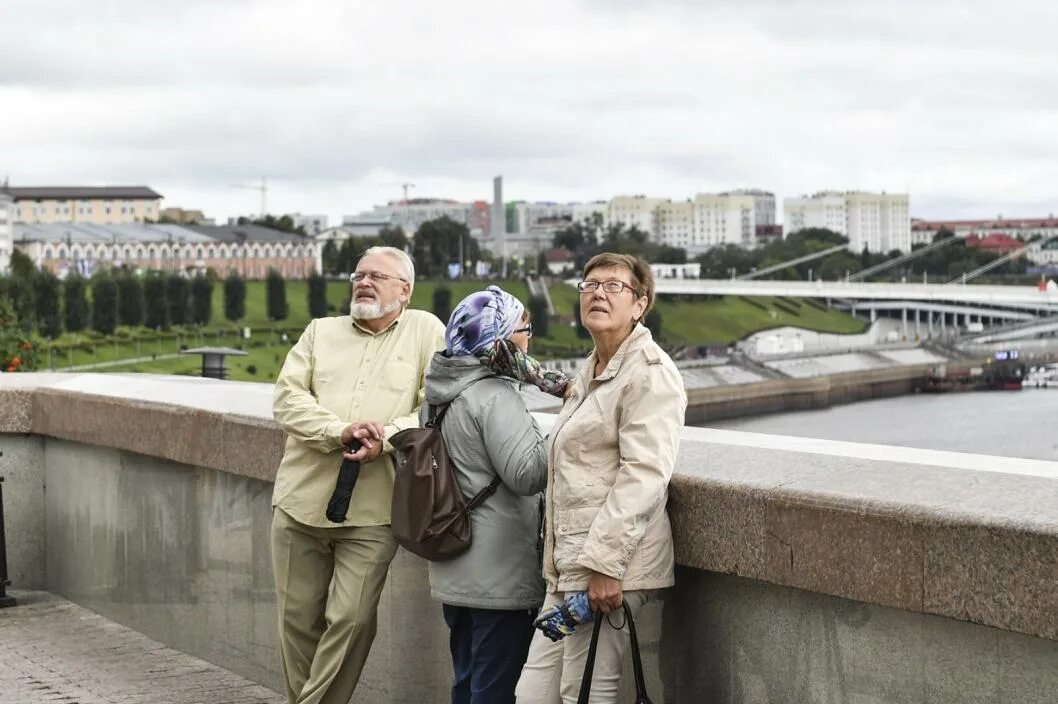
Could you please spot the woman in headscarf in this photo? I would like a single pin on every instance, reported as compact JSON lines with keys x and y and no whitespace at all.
{"x":490,"y":594}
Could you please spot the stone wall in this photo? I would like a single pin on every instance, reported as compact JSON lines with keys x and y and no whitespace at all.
{"x":811,"y":571}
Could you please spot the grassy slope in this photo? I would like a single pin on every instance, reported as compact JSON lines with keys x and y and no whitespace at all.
{"x":683,"y":322}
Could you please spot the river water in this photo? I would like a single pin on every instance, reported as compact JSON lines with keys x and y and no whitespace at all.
{"x":1006,"y":423}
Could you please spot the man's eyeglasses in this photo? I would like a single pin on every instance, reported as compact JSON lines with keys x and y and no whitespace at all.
{"x":376,"y":276}
{"x":528,"y":330}
{"x":611,"y":286}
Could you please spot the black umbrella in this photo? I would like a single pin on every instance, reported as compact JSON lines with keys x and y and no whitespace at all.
{"x":348,"y":473}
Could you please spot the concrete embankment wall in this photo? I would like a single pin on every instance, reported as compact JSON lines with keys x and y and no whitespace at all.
{"x":781,"y":395}
{"x":810,"y":571}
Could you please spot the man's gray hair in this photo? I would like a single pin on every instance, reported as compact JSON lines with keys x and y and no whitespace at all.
{"x":404,"y":263}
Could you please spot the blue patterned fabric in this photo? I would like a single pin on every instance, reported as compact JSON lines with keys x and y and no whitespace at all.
{"x":481,"y":319}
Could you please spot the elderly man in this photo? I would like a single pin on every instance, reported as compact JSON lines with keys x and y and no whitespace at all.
{"x":350,"y":377}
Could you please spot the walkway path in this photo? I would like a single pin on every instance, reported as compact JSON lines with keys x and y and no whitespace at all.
{"x":52,"y":650}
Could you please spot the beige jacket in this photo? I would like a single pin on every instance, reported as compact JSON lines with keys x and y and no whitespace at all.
{"x":613,"y":449}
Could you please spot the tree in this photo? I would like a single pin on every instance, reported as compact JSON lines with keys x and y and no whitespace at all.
{"x":442,"y":303}
{"x":178,"y":297}
{"x":104,"y":304}
{"x":17,"y":351}
{"x":317,"y":296}
{"x":276,"y":296}
{"x":329,"y":258}
{"x":580,"y":238}
{"x":130,"y":300}
{"x":19,"y":291}
{"x":538,"y":316}
{"x":21,"y":264}
{"x":393,"y":237}
{"x":75,"y":302}
{"x":438,"y":243}
{"x":285,"y":223}
{"x":46,"y":302}
{"x":653,"y":323}
{"x":582,"y":332}
{"x":156,"y":306}
{"x":201,"y":300}
{"x":234,"y":298}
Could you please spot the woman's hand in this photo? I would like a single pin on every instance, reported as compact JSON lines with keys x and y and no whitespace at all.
{"x":604,"y":593}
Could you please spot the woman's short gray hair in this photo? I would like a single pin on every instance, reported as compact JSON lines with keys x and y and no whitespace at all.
{"x":404,"y":262}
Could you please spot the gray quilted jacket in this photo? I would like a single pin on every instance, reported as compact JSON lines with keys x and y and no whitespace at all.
{"x":488,"y":431}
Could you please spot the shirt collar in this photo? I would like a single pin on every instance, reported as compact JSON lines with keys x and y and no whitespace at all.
{"x":368,"y":331}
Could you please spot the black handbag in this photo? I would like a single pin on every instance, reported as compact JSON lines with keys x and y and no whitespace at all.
{"x":637,"y":660}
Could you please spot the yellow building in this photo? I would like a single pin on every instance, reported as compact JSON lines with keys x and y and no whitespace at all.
{"x":98,"y":205}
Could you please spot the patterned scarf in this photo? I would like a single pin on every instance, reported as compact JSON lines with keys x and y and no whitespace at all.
{"x":507,"y":359}
{"x":481,"y":319}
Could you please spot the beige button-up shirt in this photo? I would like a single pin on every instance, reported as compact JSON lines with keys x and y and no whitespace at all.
{"x":337,"y":373}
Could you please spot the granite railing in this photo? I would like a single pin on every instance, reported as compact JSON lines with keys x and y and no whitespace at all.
{"x":798,"y":557}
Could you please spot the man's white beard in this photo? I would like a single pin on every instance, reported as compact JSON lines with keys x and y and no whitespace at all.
{"x":372,"y":310}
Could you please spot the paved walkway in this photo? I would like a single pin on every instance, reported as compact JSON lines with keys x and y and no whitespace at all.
{"x":52,"y":650}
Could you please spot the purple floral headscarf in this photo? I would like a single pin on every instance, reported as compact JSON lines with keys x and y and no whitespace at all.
{"x":481,"y":319}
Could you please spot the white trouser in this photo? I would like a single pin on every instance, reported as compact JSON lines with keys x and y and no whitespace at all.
{"x":553,"y":671}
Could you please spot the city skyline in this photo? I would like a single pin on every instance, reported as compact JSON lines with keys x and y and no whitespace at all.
{"x":338,"y":104}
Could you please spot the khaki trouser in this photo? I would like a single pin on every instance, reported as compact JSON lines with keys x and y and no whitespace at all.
{"x":328,"y":582}
{"x":553,"y":671}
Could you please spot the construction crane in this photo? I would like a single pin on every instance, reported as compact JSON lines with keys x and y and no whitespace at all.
{"x":263,"y":189}
{"x":405,"y":186}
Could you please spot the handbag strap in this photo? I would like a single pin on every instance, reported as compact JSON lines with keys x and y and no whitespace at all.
{"x":589,"y":662}
{"x":434,"y":416}
{"x":637,"y":659}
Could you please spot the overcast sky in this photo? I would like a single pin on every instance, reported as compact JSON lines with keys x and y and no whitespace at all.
{"x":339,"y":102}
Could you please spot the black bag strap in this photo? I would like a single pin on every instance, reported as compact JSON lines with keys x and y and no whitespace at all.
{"x":637,"y":659}
{"x":479,"y":498}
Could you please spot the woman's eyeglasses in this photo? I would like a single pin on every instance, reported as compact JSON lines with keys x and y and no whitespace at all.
{"x":611,"y":286}
{"x":528,"y":330}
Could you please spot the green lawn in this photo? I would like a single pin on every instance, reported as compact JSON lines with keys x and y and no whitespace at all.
{"x":683,"y":323}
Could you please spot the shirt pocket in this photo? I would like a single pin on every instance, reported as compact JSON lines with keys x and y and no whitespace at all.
{"x":399,"y":375}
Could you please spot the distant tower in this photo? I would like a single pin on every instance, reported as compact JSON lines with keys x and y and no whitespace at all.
{"x":498,"y":222}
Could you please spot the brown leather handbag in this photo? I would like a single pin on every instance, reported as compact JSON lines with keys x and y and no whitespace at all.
{"x":430,"y":517}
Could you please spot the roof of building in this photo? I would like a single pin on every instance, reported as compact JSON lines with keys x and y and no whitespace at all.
{"x":248,"y":233}
{"x":557,"y":255}
{"x":81,"y":192}
{"x":996,"y":240}
{"x":1007,"y":223}
{"x":139,"y":232}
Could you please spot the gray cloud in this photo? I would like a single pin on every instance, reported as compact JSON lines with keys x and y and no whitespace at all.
{"x":338,"y":101}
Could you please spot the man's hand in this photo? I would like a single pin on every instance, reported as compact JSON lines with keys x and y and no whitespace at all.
{"x":604,"y":593}
{"x":369,"y":435}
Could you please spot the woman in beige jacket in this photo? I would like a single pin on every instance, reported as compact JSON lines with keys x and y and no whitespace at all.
{"x":613,"y":448}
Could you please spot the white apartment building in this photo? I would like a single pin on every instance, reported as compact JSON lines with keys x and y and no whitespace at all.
{"x":676,"y":224}
{"x":825,"y":210}
{"x":540,"y":217}
{"x":763,"y":204}
{"x":724,"y":218}
{"x":878,"y":222}
{"x":7,"y":216}
{"x":635,"y":211}
{"x":412,"y":213}
{"x":312,"y":224}
{"x":587,"y":211}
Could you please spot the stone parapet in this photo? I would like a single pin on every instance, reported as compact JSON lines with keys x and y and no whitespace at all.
{"x":969,"y":537}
